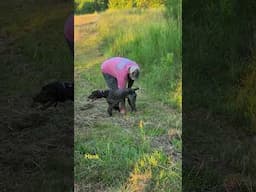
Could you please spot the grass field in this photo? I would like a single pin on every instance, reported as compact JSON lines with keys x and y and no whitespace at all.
{"x":139,"y":151}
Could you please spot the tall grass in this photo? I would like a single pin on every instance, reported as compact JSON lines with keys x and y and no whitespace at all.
{"x":146,"y":37}
{"x":37,"y":40}
{"x":216,"y":66}
{"x":222,"y":44}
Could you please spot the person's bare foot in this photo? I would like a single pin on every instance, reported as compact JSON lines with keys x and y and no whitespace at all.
{"x":122,"y":111}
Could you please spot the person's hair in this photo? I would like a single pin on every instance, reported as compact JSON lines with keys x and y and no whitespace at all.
{"x":134,"y":72}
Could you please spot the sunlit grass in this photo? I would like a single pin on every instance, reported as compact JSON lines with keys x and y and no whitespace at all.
{"x":153,"y":172}
{"x":126,"y":155}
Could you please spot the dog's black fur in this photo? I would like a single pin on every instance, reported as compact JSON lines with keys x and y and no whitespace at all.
{"x":53,"y":93}
{"x":97,"y":94}
{"x":119,"y":95}
{"x":114,"y":97}
{"x":132,"y":100}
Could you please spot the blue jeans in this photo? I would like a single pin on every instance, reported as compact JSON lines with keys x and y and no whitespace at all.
{"x":111,"y":81}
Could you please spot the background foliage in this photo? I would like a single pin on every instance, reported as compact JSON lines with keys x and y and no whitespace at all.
{"x":227,"y":32}
{"x":90,"y":6}
{"x":218,"y":95}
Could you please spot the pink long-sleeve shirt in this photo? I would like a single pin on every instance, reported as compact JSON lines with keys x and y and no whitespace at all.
{"x":118,"y":67}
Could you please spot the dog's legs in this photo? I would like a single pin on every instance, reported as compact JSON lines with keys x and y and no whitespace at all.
{"x":130,"y":104}
{"x":113,"y":105}
{"x":110,"y":110}
{"x":132,"y":101}
{"x":116,"y":107}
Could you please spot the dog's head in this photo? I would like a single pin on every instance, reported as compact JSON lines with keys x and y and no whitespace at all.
{"x":97,"y":94}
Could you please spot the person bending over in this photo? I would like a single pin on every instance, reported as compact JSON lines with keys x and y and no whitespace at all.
{"x":118,"y":73}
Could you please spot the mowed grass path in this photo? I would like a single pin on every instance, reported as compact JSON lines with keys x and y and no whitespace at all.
{"x":137,"y":152}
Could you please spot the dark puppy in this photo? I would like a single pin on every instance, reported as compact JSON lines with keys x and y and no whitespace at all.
{"x":114,"y":97}
{"x":132,"y":100}
{"x":119,"y":95}
{"x":97,"y":94}
{"x":53,"y":93}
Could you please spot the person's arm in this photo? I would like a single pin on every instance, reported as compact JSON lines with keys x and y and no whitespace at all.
{"x":130,"y":82}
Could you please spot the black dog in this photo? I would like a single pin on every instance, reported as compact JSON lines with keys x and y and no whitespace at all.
{"x":97,"y":94}
{"x":53,"y":93}
{"x":114,"y":97}
{"x":119,"y":95}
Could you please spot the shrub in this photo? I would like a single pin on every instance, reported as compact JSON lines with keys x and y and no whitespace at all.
{"x":136,"y":3}
{"x":90,"y":6}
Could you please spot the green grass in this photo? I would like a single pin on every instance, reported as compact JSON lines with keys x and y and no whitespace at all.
{"x":138,"y":151}
{"x":121,"y":147}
